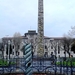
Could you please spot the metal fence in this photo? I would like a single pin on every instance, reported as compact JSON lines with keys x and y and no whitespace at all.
{"x":47,"y":66}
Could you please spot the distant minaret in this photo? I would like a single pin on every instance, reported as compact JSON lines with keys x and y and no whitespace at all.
{"x":40,"y":51}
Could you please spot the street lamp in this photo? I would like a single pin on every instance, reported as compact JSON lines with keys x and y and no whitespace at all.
{"x":8,"y":50}
{"x":54,"y":44}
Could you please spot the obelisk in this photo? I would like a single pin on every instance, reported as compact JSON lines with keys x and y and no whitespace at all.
{"x":40,"y":51}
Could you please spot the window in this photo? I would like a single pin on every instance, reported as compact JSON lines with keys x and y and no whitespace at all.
{"x":18,"y":46}
{"x":46,"y":54}
{"x":13,"y":46}
{"x":51,"y":47}
{"x":18,"y":53}
{"x":13,"y":53}
{"x":45,"y":47}
{"x":58,"y":49}
{"x":64,"y":52}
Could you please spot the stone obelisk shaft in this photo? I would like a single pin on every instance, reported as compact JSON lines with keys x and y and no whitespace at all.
{"x":40,"y":51}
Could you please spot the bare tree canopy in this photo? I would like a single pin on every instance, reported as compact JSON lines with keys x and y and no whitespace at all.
{"x":17,"y":40}
{"x":67,"y":39}
{"x":72,"y":31}
{"x":66,"y":43}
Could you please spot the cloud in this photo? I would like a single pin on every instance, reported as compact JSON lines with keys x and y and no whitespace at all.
{"x":22,"y":15}
{"x":59,"y":16}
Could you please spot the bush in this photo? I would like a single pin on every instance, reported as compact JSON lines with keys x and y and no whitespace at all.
{"x":5,"y":63}
{"x":68,"y":62}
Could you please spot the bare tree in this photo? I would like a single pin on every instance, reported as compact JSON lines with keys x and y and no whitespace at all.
{"x":72,"y":31}
{"x":54,"y":45}
{"x":66,"y":44}
{"x":72,"y":34}
{"x":17,"y":41}
{"x":73,"y":46}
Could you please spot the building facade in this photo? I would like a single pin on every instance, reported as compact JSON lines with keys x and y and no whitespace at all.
{"x":52,"y":45}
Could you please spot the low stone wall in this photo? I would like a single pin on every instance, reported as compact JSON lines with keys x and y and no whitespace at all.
{"x":13,"y":74}
{"x":46,"y":74}
{"x":33,"y":74}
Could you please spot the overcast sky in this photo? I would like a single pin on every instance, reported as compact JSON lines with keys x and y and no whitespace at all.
{"x":21,"y":16}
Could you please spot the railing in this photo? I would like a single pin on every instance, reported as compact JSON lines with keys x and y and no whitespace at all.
{"x":49,"y":66}
{"x":39,"y":65}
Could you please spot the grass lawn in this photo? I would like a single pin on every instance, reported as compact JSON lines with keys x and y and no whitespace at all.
{"x":68,"y":62}
{"x":5,"y":63}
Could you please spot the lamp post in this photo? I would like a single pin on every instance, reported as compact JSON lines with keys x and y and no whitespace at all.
{"x":8,"y":50}
{"x":5,"y":47}
{"x":54,"y":44}
{"x":1,"y":49}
